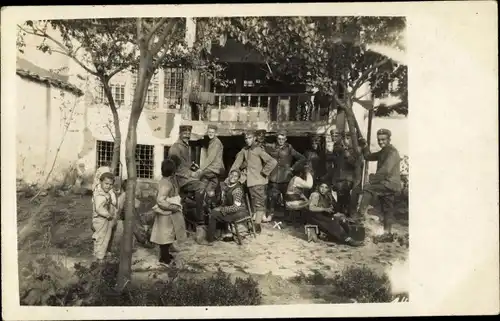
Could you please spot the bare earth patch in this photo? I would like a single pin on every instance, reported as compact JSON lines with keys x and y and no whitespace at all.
{"x":273,"y":258}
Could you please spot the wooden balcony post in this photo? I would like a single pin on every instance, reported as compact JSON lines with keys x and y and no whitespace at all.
{"x":220,"y":107}
{"x":189,"y":76}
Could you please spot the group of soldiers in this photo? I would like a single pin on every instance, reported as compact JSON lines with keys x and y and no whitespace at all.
{"x":266,"y":169}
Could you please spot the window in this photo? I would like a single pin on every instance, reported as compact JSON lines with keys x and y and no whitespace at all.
{"x":118,"y":92}
{"x":100,"y":94}
{"x":152,"y":93}
{"x":173,"y":86}
{"x":144,"y":157}
{"x":104,"y":155}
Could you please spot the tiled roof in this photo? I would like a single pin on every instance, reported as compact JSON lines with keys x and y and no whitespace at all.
{"x":26,"y":69}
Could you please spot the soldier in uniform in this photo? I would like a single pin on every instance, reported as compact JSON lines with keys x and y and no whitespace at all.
{"x":386,"y":182}
{"x":288,"y":160}
{"x":315,"y":159}
{"x":213,"y":168}
{"x":261,"y":136}
{"x":188,"y":181}
{"x":345,"y":163}
{"x":256,"y":166}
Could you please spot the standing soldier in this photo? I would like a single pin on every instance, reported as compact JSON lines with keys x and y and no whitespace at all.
{"x":214,"y":165}
{"x":187,"y":179}
{"x":345,"y":164}
{"x":315,"y":159}
{"x":256,"y":164}
{"x":261,"y":136}
{"x":386,"y":182}
{"x":288,"y":160}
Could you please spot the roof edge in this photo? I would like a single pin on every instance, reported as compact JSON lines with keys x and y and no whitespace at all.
{"x":50,"y":81}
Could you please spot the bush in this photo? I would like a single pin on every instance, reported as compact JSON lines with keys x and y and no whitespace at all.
{"x":94,"y":286}
{"x":42,"y":281}
{"x":217,"y":290}
{"x":363,"y":285}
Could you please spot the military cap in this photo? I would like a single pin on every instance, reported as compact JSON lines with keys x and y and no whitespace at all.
{"x":281,"y":132}
{"x":249,"y":132}
{"x":384,"y":131}
{"x":315,"y":138}
{"x":260,"y":132}
{"x":185,"y":128}
{"x":212,"y":126}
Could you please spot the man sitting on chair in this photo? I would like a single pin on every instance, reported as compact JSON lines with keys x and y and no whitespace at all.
{"x":233,"y":205}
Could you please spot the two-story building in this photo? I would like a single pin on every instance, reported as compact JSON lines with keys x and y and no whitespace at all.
{"x":176,"y":96}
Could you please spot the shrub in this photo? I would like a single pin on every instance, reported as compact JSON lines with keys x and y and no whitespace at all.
{"x":363,"y":285}
{"x":42,"y":281}
{"x":94,"y":286}
{"x":217,"y":290}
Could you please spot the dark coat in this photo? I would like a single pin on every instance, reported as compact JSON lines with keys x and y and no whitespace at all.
{"x":288,"y":159}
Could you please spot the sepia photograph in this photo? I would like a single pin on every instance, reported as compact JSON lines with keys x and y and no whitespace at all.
{"x":212,"y":161}
{"x":218,"y":160}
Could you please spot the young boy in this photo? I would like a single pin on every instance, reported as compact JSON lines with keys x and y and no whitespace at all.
{"x":104,"y":215}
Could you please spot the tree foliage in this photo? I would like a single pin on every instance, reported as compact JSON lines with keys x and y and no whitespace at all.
{"x":102,"y":47}
{"x":327,"y":53}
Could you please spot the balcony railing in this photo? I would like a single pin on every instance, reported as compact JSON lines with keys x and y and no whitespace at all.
{"x":282,"y":107}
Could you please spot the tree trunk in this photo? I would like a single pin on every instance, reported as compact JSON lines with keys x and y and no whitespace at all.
{"x":355,"y":134}
{"x":115,"y":160}
{"x":125,"y":269}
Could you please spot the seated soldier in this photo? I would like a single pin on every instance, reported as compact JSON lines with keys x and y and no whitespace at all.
{"x":321,"y":213}
{"x":185,"y":174}
{"x":233,"y":205}
{"x":301,"y":182}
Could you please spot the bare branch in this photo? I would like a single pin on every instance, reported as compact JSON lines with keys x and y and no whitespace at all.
{"x":117,"y":70}
{"x":160,"y":59}
{"x":367,"y":72}
{"x":65,"y":51}
{"x":161,"y":41}
{"x":110,"y":131}
{"x":154,"y":29}
{"x":377,"y":81}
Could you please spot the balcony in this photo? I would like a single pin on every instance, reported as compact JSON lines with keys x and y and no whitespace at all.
{"x":235,"y":112}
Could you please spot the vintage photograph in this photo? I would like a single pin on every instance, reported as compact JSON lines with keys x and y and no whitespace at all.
{"x":212,"y":161}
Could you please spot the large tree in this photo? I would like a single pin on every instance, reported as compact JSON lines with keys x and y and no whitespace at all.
{"x":159,"y":41}
{"x":327,"y":53}
{"x":101,"y":47}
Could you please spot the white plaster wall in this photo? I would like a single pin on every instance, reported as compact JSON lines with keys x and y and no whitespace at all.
{"x":96,"y":122}
{"x":41,"y":115}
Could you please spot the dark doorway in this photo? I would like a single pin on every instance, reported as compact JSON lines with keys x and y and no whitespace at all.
{"x":232,"y":145}
{"x":300,"y":143}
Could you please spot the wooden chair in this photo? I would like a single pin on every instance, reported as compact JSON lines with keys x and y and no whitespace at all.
{"x":247,"y":220}
{"x":312,"y":232}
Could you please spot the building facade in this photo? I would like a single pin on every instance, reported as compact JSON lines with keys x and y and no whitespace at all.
{"x":176,"y":96}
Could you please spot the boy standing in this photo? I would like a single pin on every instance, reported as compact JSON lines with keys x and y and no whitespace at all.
{"x":104,"y":215}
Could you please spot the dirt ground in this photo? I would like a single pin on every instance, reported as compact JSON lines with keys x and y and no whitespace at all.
{"x":63,"y":224}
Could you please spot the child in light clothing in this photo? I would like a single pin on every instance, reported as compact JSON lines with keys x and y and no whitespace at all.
{"x":106,"y":168}
{"x":104,"y":215}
